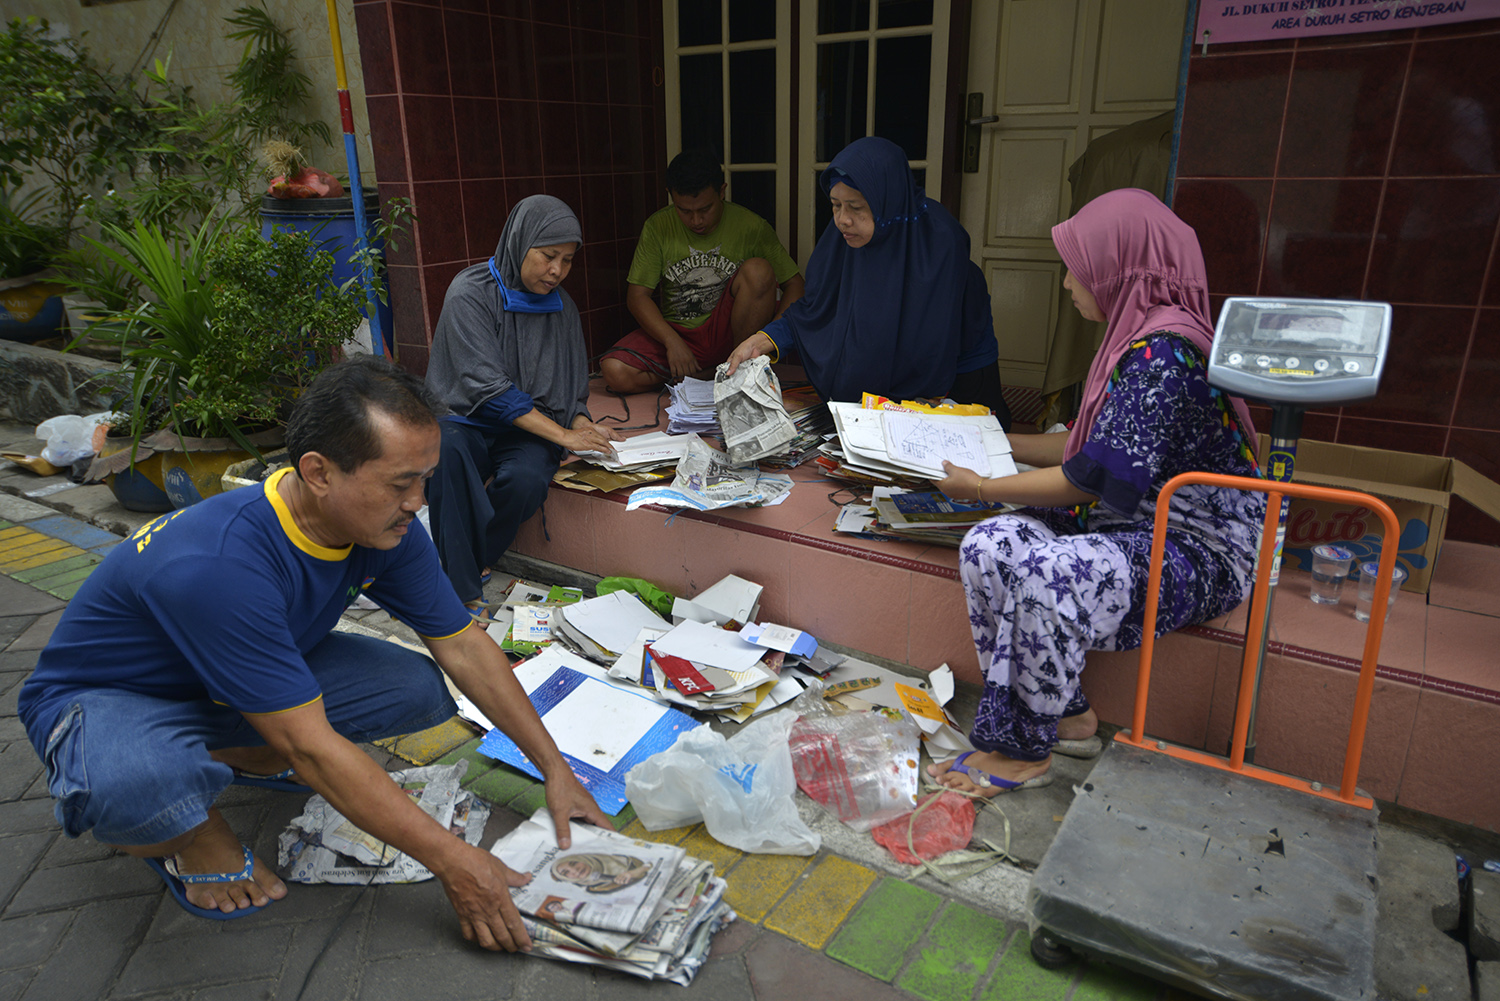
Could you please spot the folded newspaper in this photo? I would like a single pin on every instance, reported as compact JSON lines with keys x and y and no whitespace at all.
{"x":751,"y":415}
{"x":322,"y":846}
{"x":643,"y":908}
{"x":707,"y":479}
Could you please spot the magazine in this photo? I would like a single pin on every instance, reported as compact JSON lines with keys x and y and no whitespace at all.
{"x":604,"y":881}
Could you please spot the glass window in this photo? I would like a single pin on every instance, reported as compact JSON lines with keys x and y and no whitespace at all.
{"x":756,"y":191}
{"x":698,"y":22}
{"x":843,"y":96}
{"x":702,"y":102}
{"x":843,"y":15}
{"x":903,"y":68}
{"x":751,"y":20}
{"x":904,"y":13}
{"x":752,"y":106}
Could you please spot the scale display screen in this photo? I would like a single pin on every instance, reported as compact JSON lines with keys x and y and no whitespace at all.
{"x":1300,"y":351}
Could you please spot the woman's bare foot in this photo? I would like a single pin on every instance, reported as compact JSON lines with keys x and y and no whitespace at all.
{"x":1024,"y":774}
{"x":1080,"y":727}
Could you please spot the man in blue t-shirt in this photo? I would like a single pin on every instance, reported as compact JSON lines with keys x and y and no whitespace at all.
{"x":201,"y":653}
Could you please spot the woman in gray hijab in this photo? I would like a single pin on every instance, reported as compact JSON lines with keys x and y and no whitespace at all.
{"x":508,"y":359}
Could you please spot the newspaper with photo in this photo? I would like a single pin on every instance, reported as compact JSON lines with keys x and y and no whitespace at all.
{"x":751,"y":415}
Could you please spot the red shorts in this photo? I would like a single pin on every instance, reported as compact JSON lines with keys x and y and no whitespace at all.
{"x":711,"y":341}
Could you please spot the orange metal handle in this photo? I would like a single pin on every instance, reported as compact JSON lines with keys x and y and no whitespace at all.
{"x":1365,"y":688}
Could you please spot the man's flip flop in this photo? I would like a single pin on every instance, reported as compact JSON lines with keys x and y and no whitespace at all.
{"x":1088,"y":747}
{"x":281,"y":781}
{"x":166,"y":868}
{"x":985,"y":780}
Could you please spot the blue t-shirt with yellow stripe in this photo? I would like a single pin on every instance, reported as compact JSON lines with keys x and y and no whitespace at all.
{"x":223,"y":600}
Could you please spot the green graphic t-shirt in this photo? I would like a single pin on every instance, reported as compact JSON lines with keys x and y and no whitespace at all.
{"x":693,"y":270}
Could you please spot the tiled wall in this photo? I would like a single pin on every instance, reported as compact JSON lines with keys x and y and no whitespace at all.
{"x":475,"y":104}
{"x":1366,"y":166}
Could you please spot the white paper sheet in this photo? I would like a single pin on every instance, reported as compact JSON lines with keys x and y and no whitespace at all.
{"x":704,"y":644}
{"x":612,"y":620}
{"x":911,"y":438}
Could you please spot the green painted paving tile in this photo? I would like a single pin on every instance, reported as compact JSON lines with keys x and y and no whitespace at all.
{"x":1019,"y":978}
{"x":37,"y":574}
{"x":759,"y":881}
{"x":502,"y":786}
{"x":877,"y":936}
{"x":530,"y":800}
{"x":956,"y":955}
{"x":468,"y":751}
{"x":65,"y":592}
{"x":1102,"y":982}
{"x":75,"y":576}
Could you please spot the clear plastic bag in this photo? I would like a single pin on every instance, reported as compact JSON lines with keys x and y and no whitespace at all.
{"x":861,"y":766}
{"x":742,"y":789}
{"x":69,"y":437}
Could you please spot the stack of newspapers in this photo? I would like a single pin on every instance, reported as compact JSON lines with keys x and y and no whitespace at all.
{"x":814,"y":426}
{"x":692,"y":408}
{"x":646,"y":909}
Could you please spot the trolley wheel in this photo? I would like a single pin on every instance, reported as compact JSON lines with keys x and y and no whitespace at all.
{"x":1049,"y":953}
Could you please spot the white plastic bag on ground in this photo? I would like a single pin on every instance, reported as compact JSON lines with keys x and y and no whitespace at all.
{"x":742,"y":789}
{"x":69,"y":437}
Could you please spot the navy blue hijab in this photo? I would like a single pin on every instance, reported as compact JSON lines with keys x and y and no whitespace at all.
{"x":887,"y":317}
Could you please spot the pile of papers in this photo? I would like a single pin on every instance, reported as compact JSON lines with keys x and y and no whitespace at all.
{"x":887,"y":443}
{"x":532,"y":609}
{"x":814,"y":426}
{"x":692,"y":408}
{"x":922,"y":515}
{"x":643,"y":452}
{"x":751,"y":415}
{"x":322,"y":846}
{"x":707,"y":479}
{"x":639,"y":907}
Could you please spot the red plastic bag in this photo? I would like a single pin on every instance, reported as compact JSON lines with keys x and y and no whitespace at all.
{"x":944,"y":826}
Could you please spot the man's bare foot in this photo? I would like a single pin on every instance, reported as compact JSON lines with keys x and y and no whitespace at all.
{"x":1018,"y":774}
{"x":212,"y":847}
{"x":1080,"y":727}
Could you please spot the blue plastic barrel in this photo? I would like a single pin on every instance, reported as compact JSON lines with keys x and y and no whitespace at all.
{"x":331,"y":222}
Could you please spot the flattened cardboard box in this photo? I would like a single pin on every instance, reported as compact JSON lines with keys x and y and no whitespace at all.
{"x":1418,"y":488}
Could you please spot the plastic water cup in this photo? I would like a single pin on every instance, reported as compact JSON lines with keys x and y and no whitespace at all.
{"x":1367,"y":574}
{"x":1330,"y":565}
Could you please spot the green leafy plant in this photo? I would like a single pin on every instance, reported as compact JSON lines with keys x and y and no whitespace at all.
{"x":27,"y":244}
{"x":233,"y":326}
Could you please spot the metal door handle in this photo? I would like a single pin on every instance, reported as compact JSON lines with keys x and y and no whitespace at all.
{"x":986,"y":120}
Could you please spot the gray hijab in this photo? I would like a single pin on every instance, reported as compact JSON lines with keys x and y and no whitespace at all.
{"x":481,"y":349}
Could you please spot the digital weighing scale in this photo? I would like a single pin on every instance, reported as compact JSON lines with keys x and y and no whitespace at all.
{"x":1210,"y":873}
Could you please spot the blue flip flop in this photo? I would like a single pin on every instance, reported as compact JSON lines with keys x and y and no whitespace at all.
{"x":166,"y":869}
{"x":281,"y":781}
{"x":985,"y":780}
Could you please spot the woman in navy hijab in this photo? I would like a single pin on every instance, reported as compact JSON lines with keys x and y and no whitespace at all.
{"x":893,"y":306}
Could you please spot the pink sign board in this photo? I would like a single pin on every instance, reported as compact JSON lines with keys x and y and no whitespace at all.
{"x":1258,"y":20}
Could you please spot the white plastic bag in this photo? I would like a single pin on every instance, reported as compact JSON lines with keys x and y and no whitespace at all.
{"x":742,"y":789}
{"x":69,"y":437}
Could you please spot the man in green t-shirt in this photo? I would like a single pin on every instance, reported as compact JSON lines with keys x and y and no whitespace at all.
{"x":718,"y":266}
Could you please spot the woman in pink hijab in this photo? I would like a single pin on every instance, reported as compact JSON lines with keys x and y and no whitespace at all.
{"x":1068,"y":573}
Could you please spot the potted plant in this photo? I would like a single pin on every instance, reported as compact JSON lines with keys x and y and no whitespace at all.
{"x":232,"y":328}
{"x":30,"y":309}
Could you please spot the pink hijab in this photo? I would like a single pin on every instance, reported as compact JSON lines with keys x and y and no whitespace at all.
{"x":1145,"y":269}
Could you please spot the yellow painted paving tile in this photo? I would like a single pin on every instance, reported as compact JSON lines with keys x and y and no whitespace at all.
{"x":23,"y":540}
{"x":13,"y":532}
{"x":815,"y":909}
{"x":701,"y":844}
{"x":758,"y":882}
{"x":34,"y":555}
{"x":671,"y":836}
{"x":426,"y":746}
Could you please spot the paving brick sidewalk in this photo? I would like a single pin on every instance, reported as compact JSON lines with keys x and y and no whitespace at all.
{"x":78,"y":920}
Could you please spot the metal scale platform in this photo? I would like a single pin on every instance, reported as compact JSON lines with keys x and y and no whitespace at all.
{"x":1208,"y":872}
